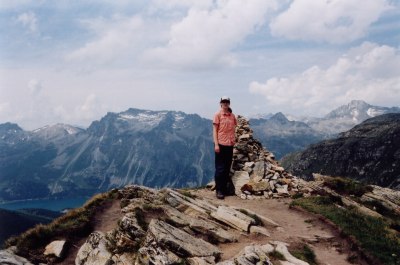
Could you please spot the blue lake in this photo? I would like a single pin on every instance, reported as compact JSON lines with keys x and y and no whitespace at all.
{"x":50,"y":204}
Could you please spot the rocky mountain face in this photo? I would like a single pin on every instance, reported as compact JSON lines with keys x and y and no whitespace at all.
{"x":347,"y":116}
{"x":152,"y":148}
{"x":284,"y":134}
{"x":369,"y":152}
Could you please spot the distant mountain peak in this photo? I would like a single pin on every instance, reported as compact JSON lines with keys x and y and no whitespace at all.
{"x":355,"y":103}
{"x":280,"y":117}
{"x":58,"y":127}
{"x":8,"y":126}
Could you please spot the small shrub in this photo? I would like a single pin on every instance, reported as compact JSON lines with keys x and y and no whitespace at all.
{"x":346,"y":186}
{"x":141,"y":218}
{"x":275,"y":255}
{"x":305,"y":253}
{"x":187,"y":193}
{"x":352,"y":259}
{"x":297,"y":195}
{"x":256,"y":218}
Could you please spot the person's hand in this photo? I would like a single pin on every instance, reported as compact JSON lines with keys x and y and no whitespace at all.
{"x":216,"y":148}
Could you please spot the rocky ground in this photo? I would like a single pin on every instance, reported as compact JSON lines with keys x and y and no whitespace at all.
{"x":295,"y":228}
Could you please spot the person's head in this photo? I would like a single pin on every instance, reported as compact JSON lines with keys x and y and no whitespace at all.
{"x":225,"y":103}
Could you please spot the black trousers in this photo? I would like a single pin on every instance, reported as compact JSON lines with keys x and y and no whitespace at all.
{"x":223,"y":161}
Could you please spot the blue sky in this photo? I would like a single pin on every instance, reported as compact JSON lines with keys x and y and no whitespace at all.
{"x":74,"y":61}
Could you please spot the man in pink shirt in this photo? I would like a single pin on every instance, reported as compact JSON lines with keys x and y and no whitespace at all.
{"x":224,"y":124}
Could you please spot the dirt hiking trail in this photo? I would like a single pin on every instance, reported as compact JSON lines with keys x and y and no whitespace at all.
{"x":105,"y":220}
{"x":296,"y":228}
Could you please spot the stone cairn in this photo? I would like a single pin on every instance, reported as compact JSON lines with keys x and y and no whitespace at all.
{"x":255,"y":172}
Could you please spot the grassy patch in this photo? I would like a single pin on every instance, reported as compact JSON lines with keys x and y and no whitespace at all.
{"x":347,"y":186}
{"x":305,"y":253}
{"x":372,"y":234}
{"x":297,"y":195}
{"x":275,"y":255}
{"x":187,"y":193}
{"x":75,"y":223}
{"x":256,"y":218}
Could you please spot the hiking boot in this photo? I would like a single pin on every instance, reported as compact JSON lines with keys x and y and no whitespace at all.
{"x":220,"y":195}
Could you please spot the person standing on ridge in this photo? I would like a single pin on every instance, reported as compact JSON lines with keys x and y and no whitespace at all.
{"x":224,"y":124}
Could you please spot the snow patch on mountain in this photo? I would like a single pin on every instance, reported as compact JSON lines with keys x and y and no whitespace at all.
{"x":373,"y":112}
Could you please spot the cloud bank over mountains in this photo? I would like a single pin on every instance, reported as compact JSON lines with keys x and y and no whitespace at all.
{"x":369,"y":71}
{"x":71,"y":62}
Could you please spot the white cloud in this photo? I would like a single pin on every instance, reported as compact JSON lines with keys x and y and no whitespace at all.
{"x":4,"y":109}
{"x":332,"y":21}
{"x":369,"y":72}
{"x":29,"y":20}
{"x":35,"y":86}
{"x":116,"y":38}
{"x":206,"y":36}
{"x":89,"y":110}
{"x":170,"y":4}
{"x":203,"y":34}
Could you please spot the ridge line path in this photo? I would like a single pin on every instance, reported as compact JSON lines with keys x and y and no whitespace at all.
{"x":105,"y":219}
{"x":297,"y":228}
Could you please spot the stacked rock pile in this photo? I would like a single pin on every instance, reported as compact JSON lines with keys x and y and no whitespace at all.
{"x":255,"y":172}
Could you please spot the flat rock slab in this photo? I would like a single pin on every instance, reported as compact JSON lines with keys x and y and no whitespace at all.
{"x":9,"y":258}
{"x":239,"y":179}
{"x":199,"y":225}
{"x":233,"y":218}
{"x":94,"y":251}
{"x":55,"y":248}
{"x":180,"y":242}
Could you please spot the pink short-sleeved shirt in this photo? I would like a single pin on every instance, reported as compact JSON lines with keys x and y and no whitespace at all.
{"x":226,"y":127}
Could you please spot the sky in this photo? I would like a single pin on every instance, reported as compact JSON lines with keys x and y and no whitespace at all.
{"x":70,"y":61}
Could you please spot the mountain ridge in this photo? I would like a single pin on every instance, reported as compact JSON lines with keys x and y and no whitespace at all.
{"x":370,"y":152}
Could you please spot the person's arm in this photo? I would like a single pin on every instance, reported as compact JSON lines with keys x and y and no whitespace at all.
{"x":215,"y":137}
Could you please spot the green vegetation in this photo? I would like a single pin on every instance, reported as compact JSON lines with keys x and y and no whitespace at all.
{"x":297,"y":195}
{"x":141,"y":218}
{"x":256,"y":218}
{"x":75,"y":223}
{"x":346,"y":186}
{"x":352,"y":259}
{"x":275,"y":255}
{"x":187,"y":193}
{"x":304,"y":252}
{"x":373,"y":235}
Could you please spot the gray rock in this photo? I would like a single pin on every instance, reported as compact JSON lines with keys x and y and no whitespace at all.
{"x":94,"y":251}
{"x":249,"y":164}
{"x":7,"y":257}
{"x":233,"y":218}
{"x":281,"y":248}
{"x":259,"y":230}
{"x":239,"y":179}
{"x":260,"y":186}
{"x":56,"y":248}
{"x":178,"y":241}
{"x":201,"y":261}
{"x":200,"y":225}
{"x":259,"y":169}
